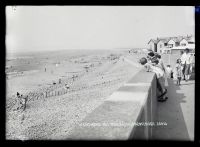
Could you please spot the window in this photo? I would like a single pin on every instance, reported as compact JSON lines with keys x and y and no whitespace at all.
{"x":191,"y":42}
{"x":183,"y":44}
{"x":170,"y":45}
{"x":165,"y":44}
{"x":160,"y":45}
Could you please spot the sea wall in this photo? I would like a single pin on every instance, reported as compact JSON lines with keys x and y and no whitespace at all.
{"x":128,"y":113}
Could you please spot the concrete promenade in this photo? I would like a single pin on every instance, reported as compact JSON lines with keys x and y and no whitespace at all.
{"x":177,"y":112}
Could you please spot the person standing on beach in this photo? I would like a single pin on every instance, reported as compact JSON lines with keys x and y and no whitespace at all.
{"x":22,"y":101}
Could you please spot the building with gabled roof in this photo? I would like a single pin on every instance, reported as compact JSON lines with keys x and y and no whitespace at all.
{"x":172,"y":44}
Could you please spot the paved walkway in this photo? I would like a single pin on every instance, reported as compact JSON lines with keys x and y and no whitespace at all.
{"x":177,"y":112}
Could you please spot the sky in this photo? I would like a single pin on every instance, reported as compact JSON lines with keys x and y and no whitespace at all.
{"x":40,"y":28}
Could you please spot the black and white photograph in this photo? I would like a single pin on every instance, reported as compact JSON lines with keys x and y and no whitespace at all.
{"x":100,"y":72}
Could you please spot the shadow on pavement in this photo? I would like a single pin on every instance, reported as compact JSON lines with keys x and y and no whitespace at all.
{"x":192,"y":76}
{"x":187,"y":84}
{"x":171,"y":113}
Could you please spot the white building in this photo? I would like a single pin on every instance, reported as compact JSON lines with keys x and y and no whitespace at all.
{"x":183,"y":42}
{"x":172,"y":44}
{"x":153,"y":44}
{"x":162,"y":45}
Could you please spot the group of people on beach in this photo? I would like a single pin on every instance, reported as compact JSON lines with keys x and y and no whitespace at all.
{"x":22,"y":99}
{"x":182,"y":70}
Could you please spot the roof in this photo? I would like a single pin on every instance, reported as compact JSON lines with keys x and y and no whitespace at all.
{"x":188,"y":38}
{"x":164,"y":40}
{"x":191,"y":39}
{"x":153,"y":40}
{"x":175,"y":39}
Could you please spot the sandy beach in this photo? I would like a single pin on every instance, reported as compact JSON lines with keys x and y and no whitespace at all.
{"x":97,"y":74}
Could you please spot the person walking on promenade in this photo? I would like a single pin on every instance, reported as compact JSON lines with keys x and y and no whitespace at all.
{"x":178,"y":72}
{"x":182,"y":57}
{"x":185,"y":61}
{"x":192,"y":63}
{"x":182,"y":52}
{"x":169,"y":71}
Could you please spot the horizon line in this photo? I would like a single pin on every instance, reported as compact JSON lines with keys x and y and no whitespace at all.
{"x":21,"y":51}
